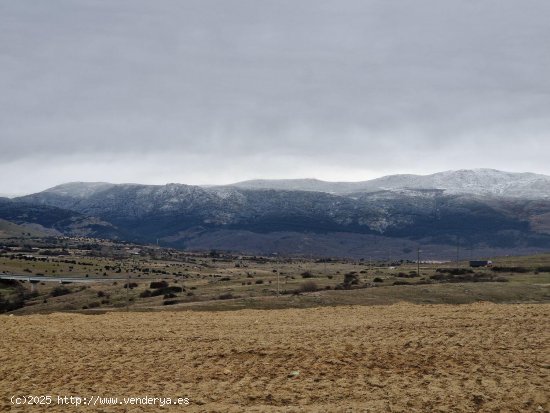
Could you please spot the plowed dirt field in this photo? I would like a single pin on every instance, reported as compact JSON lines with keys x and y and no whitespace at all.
{"x":398,"y":358}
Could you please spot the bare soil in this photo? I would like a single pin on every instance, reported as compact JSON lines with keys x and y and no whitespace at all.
{"x":397,"y":358}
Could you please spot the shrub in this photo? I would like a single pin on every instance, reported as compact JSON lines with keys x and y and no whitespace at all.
{"x":510,"y":269}
{"x":306,"y":274}
{"x":166,"y":290}
{"x":350,"y":279}
{"x":308,"y":286}
{"x":130,"y":285}
{"x":158,"y":284}
{"x":145,"y":294}
{"x":378,"y":280}
{"x":454,"y":271}
{"x":225,"y":296}
{"x":10,"y":305}
{"x":59,"y":291}
{"x":259,"y":281}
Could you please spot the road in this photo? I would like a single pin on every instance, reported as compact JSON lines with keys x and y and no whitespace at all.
{"x":60,"y":279}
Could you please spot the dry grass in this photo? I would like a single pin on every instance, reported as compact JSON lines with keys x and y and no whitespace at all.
{"x":400,"y":358}
{"x":255,"y":282}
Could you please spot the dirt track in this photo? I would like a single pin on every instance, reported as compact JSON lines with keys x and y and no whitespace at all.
{"x":480,"y":357}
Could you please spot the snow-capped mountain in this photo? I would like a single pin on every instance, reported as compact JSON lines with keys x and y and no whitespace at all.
{"x":482,"y":207}
{"x":466,"y":181}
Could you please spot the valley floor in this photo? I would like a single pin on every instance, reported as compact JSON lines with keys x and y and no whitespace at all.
{"x":397,"y":358}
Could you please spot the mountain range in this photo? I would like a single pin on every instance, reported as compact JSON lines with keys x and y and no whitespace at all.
{"x":486,"y":211}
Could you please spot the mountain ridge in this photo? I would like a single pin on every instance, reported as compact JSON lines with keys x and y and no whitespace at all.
{"x":481,"y":181}
{"x":480,"y":210}
{"x":474,"y":181}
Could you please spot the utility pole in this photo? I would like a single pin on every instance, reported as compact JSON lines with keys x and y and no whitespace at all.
{"x":457,"y":251}
{"x":418,"y":261}
{"x":127,"y":291}
{"x":278,"y":282}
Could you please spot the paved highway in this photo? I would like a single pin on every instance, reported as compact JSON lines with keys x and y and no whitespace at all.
{"x":60,"y":279}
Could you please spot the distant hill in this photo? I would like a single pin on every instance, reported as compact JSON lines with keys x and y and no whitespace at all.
{"x":47,"y":220}
{"x":11,"y":230}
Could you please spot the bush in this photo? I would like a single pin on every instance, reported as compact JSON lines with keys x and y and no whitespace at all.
{"x":166,"y":290}
{"x":226,"y":296}
{"x":378,"y":280}
{"x":59,"y":291}
{"x":308,"y":287}
{"x":475,"y":277}
{"x":350,"y":279}
{"x":454,"y":271}
{"x":259,"y":281}
{"x":10,"y":305}
{"x":307,"y":274}
{"x":510,"y":269}
{"x":145,"y":294}
{"x":158,"y":284}
{"x":130,"y":285}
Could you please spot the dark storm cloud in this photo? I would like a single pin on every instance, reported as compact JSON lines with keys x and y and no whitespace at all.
{"x":327,"y":88}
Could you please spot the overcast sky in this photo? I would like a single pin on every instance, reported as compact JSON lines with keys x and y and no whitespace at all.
{"x":217,"y":91}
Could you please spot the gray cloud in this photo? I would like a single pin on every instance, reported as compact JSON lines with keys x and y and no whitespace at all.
{"x":229,"y":90}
